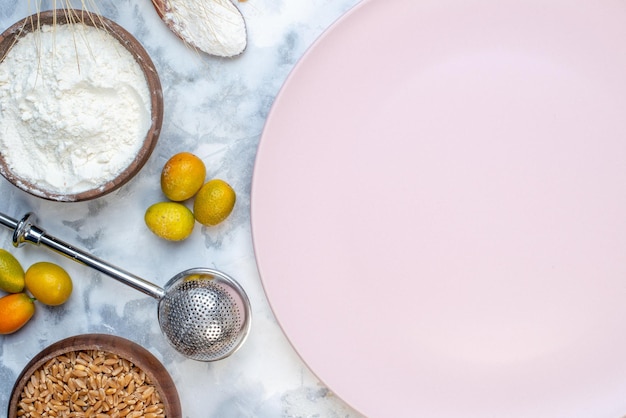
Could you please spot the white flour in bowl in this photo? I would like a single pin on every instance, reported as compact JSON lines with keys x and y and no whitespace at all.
{"x":74,"y":108}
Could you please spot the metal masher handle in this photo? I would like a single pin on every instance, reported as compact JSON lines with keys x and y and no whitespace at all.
{"x":25,"y":231}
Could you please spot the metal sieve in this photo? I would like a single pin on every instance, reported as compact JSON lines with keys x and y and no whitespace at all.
{"x":204,"y":313}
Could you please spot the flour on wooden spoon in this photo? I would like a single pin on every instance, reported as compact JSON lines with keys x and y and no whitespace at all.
{"x":213,"y":26}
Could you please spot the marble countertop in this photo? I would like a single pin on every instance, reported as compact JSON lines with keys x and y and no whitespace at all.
{"x":215,"y":108}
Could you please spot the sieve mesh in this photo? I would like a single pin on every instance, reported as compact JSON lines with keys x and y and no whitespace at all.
{"x":203,"y":316}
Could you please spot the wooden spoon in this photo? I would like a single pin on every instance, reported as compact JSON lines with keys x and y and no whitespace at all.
{"x":215,"y":27}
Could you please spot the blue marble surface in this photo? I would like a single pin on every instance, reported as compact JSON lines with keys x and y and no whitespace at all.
{"x":216,"y":108}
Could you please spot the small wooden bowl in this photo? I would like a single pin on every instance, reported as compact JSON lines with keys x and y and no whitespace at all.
{"x":121,"y":347}
{"x":64,"y":16}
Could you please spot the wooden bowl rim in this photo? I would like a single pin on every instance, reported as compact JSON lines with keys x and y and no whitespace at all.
{"x":122,"y":347}
{"x":77,"y":16}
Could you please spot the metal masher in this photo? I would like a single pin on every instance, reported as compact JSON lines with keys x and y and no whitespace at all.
{"x":204,"y":313}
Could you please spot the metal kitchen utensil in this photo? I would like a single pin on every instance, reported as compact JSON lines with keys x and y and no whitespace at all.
{"x":204,"y":313}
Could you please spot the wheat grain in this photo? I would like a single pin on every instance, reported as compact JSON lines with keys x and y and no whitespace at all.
{"x":90,"y":383}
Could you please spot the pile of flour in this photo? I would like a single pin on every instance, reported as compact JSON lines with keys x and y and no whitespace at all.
{"x":74,"y":108}
{"x":215,"y":27}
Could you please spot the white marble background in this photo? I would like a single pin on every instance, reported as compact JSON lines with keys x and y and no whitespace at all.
{"x":215,"y":108}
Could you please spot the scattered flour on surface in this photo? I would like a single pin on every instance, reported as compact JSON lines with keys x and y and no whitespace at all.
{"x":74,"y":108}
{"x":213,"y":26}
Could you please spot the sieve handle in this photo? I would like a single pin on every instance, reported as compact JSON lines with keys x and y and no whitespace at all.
{"x":8,"y":221}
{"x":24,"y":231}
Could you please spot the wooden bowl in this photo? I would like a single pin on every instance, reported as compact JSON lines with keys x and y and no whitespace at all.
{"x":64,"y":16}
{"x":121,"y":347}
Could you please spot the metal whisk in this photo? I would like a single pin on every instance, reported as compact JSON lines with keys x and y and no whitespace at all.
{"x":204,"y":313}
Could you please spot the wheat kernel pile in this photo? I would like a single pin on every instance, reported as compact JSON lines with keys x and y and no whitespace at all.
{"x":88,"y":384}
